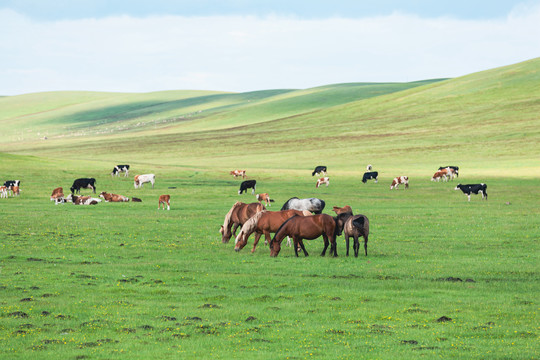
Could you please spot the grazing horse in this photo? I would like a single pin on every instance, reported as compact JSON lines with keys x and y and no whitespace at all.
{"x":355,"y":226}
{"x":237,"y":216}
{"x":263,"y":222}
{"x":306,"y":227}
{"x":310,"y":204}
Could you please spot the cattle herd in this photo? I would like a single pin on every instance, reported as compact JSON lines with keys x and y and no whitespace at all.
{"x":298,"y":219}
{"x":301,"y":219}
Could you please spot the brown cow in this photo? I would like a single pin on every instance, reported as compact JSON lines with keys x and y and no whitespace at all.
{"x":323,"y":180}
{"x":400,"y":180}
{"x":165,"y":200}
{"x":241,"y":173}
{"x":108,"y":197}
{"x":57,"y":195}
{"x":264,"y":197}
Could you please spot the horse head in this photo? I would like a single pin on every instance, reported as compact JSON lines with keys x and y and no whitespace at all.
{"x":340,"y":220}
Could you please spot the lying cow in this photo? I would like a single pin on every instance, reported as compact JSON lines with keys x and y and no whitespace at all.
{"x":241,"y":173}
{"x":370,"y":175}
{"x":248,"y":184}
{"x":323,"y":180}
{"x":264,"y":197}
{"x":113,"y":197}
{"x":319,"y":170}
{"x":83,"y":183}
{"x":57,"y":195}
{"x":141,"y":179}
{"x":120,"y":168}
{"x":474,"y":189}
{"x":400,"y":180}
{"x":83,"y":200}
{"x":165,"y":200}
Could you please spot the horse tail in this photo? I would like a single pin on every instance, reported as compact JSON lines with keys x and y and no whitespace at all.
{"x":279,"y":229}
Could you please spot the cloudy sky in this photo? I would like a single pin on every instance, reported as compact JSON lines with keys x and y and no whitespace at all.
{"x":245,"y":45}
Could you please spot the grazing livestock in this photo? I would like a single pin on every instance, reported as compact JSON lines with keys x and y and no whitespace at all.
{"x":264,"y":197}
{"x":474,"y":189}
{"x":134,"y":199}
{"x":3,"y":192}
{"x":248,"y":184}
{"x":15,"y":191}
{"x":370,"y":175}
{"x":441,"y":174}
{"x":369,"y":167}
{"x":400,"y":180}
{"x":237,"y":216}
{"x":83,"y":183}
{"x":10,"y":183}
{"x":165,"y":200}
{"x":306,"y":227}
{"x":241,"y":173}
{"x":120,"y":168}
{"x":141,"y":179}
{"x":263,"y":222}
{"x":342,"y":210}
{"x":355,"y":226}
{"x":323,"y":180}
{"x":319,"y":170}
{"x":57,"y":195}
{"x":84,"y":200}
{"x":314,"y":205}
{"x":108,"y":197}
{"x":455,"y":168}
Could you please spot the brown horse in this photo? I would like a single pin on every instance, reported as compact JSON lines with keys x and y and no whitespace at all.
{"x":237,"y":216}
{"x":263,"y":222}
{"x":306,"y":227}
{"x":355,"y":226}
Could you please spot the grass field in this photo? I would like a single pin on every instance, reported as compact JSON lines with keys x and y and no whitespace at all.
{"x":444,"y":278}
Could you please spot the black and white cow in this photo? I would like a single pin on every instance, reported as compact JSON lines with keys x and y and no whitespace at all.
{"x":319,"y":170}
{"x":248,"y":184}
{"x":474,"y":189}
{"x":83,"y":183}
{"x":370,"y":175}
{"x":120,"y":168}
{"x":455,"y":168}
{"x":11,"y":183}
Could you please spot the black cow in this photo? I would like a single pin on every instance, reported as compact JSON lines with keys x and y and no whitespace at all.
{"x":83,"y":183}
{"x":10,"y":183}
{"x":370,"y":175}
{"x":248,"y":184}
{"x":473,"y":188}
{"x":455,"y":168}
{"x":319,"y":169}
{"x":120,"y":168}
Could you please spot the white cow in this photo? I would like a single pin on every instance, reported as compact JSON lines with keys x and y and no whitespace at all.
{"x":141,"y":179}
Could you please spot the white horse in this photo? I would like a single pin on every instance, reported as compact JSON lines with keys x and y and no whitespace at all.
{"x":311,"y":204}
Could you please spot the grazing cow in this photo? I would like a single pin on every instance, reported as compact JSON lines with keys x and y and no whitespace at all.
{"x":314,"y":205}
{"x":248,"y":184}
{"x":441,"y":174}
{"x":108,"y":197}
{"x":370,"y":175}
{"x":84,"y":200}
{"x":400,"y":180}
{"x":323,"y":180}
{"x":165,"y":200}
{"x":14,"y":191}
{"x":264,"y":197}
{"x":10,"y":183}
{"x":120,"y":168}
{"x":236,"y":173}
{"x":3,"y":192}
{"x":342,"y":210}
{"x":455,"y":168}
{"x":141,"y":179}
{"x":474,"y":189}
{"x":319,"y":170}
{"x":57,"y":195}
{"x":83,"y":183}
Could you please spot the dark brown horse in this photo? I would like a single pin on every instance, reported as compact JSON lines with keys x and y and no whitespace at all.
{"x":237,"y":216}
{"x":306,"y":227}
{"x":264,"y":222}
{"x":355,"y":226}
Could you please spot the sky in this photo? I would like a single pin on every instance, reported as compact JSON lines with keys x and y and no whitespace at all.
{"x":243,"y":45}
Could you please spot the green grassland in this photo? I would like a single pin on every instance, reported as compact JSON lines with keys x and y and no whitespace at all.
{"x":443,"y":278}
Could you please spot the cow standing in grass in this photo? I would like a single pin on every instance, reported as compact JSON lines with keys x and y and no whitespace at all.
{"x":165,"y":200}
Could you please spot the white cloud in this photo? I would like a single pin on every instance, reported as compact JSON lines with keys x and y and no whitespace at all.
{"x":242,"y":53}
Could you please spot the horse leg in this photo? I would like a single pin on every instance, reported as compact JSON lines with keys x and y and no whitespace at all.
{"x":267,"y":238}
{"x":325,"y":245}
{"x":365,"y":243}
{"x":301,"y":242}
{"x":295,"y":239}
{"x":256,"y":241}
{"x":347,"y":244}
{"x":288,"y":241}
{"x":333,"y":247}
{"x":236,"y":225}
{"x":356,"y":245}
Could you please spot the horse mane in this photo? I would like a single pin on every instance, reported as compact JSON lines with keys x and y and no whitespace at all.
{"x":229,"y":214}
{"x":250,"y":224}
